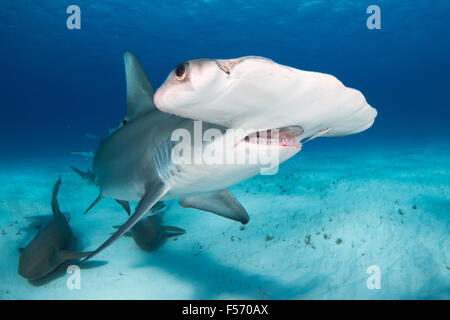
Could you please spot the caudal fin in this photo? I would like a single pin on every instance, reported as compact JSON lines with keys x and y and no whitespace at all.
{"x":55,"y":206}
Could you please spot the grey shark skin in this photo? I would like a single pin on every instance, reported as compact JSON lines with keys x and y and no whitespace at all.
{"x":51,"y":246}
{"x":89,"y":176}
{"x":135,"y":164}
{"x":149,"y":233}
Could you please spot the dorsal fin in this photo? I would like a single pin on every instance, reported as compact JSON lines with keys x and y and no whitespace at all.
{"x":55,"y":206}
{"x":139,"y":90}
{"x":124,"y":205}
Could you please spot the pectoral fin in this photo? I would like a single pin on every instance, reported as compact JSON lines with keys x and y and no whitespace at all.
{"x":222,"y":203}
{"x":65,"y":255}
{"x":126,"y":234}
{"x":124,"y":205}
{"x":100,"y":197}
{"x":172,"y":231}
{"x":155,"y":192}
{"x":158,"y":207}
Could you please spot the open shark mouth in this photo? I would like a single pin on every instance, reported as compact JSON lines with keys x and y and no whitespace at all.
{"x":284,"y":137}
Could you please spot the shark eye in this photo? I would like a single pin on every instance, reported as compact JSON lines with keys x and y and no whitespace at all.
{"x":181,"y":71}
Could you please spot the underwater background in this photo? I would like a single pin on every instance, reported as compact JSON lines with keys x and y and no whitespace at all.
{"x":380,"y":197}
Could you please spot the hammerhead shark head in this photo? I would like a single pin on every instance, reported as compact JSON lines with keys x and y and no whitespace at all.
{"x":274,"y":106}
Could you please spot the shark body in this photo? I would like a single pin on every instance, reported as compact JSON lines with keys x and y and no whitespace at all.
{"x":135,"y":163}
{"x":149,"y":233}
{"x":52,"y":245}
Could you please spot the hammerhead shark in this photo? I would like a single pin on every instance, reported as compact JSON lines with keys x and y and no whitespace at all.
{"x":273,"y":107}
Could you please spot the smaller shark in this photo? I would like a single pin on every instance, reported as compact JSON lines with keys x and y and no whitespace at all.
{"x":149,"y":233}
{"x":52,"y":245}
{"x":92,"y":136}
{"x":85,"y":154}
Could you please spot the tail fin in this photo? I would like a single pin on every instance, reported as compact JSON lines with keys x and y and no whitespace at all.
{"x":55,"y":206}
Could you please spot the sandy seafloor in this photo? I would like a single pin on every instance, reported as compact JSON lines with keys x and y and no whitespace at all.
{"x":386,"y":207}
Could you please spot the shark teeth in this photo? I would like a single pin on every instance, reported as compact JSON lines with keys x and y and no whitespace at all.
{"x":285,"y":137}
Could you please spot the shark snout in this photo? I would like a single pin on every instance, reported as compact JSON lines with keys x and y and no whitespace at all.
{"x":158,"y":98}
{"x":29,"y":269}
{"x":164,"y":99}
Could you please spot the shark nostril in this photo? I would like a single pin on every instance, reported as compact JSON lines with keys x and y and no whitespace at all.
{"x":223,"y":68}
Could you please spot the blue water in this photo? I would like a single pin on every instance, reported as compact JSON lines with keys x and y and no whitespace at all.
{"x":58,"y":84}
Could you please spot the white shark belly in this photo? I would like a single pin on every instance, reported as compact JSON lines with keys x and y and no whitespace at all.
{"x":191,"y":179}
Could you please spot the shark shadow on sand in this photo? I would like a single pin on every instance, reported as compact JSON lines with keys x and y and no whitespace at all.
{"x":212,"y":280}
